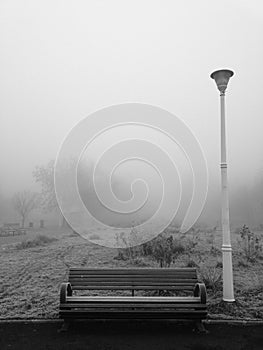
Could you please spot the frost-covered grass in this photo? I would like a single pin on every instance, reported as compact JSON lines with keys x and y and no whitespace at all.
{"x":33,"y":267}
{"x":39,"y":240}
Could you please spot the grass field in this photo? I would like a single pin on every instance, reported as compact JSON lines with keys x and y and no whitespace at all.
{"x":34,"y":265}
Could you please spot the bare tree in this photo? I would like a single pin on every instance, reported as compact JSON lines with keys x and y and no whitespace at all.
{"x":44,"y":175}
{"x":24,"y":202}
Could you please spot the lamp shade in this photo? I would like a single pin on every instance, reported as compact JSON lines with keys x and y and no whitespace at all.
{"x":221,"y":78}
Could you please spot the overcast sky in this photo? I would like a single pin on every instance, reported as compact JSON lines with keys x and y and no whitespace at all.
{"x":62,"y":60}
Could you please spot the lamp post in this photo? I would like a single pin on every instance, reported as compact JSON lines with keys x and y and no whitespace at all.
{"x":221,"y":78}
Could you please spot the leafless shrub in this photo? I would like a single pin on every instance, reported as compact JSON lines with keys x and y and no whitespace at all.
{"x":38,"y":241}
{"x":212,"y":277}
{"x":163,"y":249}
{"x":191,"y":263}
{"x":251,"y":244}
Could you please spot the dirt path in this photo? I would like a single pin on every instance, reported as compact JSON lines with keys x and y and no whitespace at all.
{"x":127,"y":336}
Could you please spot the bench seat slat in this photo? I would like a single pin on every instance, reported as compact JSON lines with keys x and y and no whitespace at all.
{"x":136,"y":270}
{"x":132,"y":305}
{"x":135,"y":275}
{"x":137,"y":299}
{"x":134,"y":311}
{"x":85,"y":281}
{"x":130,"y":287}
{"x":128,"y":279}
{"x":132,"y":272}
{"x":148,"y":276}
{"x":139,"y":272}
{"x":119,"y":276}
{"x":102,"y":314}
{"x":132,"y":282}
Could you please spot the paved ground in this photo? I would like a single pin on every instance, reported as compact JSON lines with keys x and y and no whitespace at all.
{"x":127,"y":336}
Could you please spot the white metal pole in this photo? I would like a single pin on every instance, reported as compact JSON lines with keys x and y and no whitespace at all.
{"x":228,"y":289}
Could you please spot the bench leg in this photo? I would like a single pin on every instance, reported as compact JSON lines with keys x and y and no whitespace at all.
{"x":200,"y":328}
{"x":64,"y":327}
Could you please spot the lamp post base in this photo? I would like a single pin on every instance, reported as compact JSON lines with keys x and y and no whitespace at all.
{"x":228,"y":289}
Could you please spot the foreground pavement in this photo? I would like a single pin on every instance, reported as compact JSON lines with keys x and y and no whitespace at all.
{"x":128,"y":335}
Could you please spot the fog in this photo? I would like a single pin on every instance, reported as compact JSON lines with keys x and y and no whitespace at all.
{"x":62,"y":60}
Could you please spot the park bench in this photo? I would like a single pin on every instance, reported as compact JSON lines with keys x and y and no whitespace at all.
{"x":12,"y":229}
{"x":190,"y":306}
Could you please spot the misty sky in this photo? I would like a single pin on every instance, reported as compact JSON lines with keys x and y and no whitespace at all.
{"x":62,"y":60}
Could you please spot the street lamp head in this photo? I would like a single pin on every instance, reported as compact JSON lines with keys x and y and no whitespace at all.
{"x":221,"y":78}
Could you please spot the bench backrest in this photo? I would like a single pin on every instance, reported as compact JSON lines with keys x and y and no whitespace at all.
{"x":133,"y":279}
{"x":12,"y":225}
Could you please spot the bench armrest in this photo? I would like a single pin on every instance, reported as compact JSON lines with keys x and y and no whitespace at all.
{"x":200,"y":291}
{"x":65,"y":290}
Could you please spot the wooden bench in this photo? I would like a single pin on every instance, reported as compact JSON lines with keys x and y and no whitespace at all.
{"x":12,"y":229}
{"x":191,"y":307}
